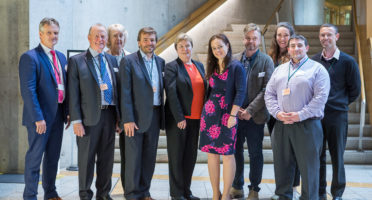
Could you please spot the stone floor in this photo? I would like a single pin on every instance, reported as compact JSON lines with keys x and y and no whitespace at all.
{"x":359,"y":183}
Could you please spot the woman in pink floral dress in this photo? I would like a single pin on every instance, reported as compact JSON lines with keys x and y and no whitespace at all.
{"x":218,"y":122}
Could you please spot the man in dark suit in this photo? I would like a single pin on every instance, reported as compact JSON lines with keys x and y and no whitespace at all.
{"x":142,"y":110}
{"x":42,"y":80}
{"x":94,"y":112}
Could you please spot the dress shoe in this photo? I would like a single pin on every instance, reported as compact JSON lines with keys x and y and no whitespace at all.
{"x":55,"y":198}
{"x":192,"y":197}
{"x":236,"y":194}
{"x":337,"y":198}
{"x":178,"y":198}
{"x":104,"y":198}
{"x":147,"y":198}
{"x":323,"y":197}
{"x":253,"y":195}
{"x":275,"y":197}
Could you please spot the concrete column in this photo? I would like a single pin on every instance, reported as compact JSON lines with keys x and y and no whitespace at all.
{"x":14,"y":16}
{"x":308,"y":12}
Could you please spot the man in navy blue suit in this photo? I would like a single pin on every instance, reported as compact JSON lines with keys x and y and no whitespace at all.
{"x":42,"y":80}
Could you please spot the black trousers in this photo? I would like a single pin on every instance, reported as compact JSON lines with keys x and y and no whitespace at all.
{"x":122,"y":157}
{"x":97,"y":147}
{"x":335,"y":127}
{"x":299,"y":143}
{"x":270,"y":126}
{"x":140,"y":157}
{"x":182,"y":146}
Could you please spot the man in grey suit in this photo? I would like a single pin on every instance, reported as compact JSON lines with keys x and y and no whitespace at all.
{"x":253,"y":114}
{"x":94,"y":112}
{"x":142,"y":108}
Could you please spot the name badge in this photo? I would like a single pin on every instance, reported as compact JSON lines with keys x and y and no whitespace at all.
{"x":286,"y":92}
{"x":103,"y":86}
{"x":261,"y":74}
{"x":154,"y":89}
{"x":116,"y":69}
{"x":61,"y":87}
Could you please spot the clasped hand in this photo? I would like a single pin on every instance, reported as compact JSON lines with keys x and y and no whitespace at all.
{"x":288,"y":118}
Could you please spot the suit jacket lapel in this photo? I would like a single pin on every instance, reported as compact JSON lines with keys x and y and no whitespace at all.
{"x":46,"y":62}
{"x":160,"y":70}
{"x":142,"y":65}
{"x":89,"y":59}
{"x":184,"y":73}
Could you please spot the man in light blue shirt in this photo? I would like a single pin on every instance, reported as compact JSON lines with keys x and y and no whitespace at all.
{"x":296,"y":95}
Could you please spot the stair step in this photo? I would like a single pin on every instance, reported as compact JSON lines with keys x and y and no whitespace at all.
{"x":350,"y":156}
{"x":351,"y":144}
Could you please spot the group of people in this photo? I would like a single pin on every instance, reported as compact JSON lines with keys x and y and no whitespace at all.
{"x":303,"y":101}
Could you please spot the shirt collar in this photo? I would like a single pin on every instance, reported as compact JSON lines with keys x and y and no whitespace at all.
{"x":299,"y":63}
{"x":252,"y":57}
{"x":336,"y":55}
{"x":45,"y":48}
{"x":94,"y":52}
{"x":144,"y":56}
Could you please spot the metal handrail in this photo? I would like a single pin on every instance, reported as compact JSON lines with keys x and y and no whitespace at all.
{"x":274,"y":14}
{"x":362,"y":95}
{"x":272,"y":17}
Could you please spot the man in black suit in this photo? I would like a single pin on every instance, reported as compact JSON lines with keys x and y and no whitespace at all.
{"x":94,"y":112}
{"x":142,"y":109}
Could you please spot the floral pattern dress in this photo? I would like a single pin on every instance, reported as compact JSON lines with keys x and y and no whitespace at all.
{"x":215,"y":137}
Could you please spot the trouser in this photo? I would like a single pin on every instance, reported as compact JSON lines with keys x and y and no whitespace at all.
{"x":270,"y":126}
{"x":182,"y":146}
{"x":299,"y":143}
{"x":97,"y":147}
{"x":49,"y":145}
{"x":335,"y":127}
{"x":140,"y":158}
{"x":253,"y":134}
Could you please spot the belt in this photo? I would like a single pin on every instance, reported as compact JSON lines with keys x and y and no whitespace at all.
{"x":156,"y":107}
{"x":104,"y":107}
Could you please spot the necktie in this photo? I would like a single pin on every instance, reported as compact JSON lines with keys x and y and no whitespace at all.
{"x":106,"y":80}
{"x":57,"y":75}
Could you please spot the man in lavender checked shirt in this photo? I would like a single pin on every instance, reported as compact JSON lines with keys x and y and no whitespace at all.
{"x":296,"y":95}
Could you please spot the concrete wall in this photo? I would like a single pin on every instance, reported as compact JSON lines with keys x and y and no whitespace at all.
{"x":76,"y":16}
{"x":14,"y":41}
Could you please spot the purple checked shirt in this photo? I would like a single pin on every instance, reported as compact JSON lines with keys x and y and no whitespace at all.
{"x":309,"y":89}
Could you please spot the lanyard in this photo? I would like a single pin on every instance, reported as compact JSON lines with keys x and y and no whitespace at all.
{"x":102,"y":70}
{"x":333,"y":63}
{"x":51,"y":62}
{"x":289,"y":70}
{"x":152,"y":65}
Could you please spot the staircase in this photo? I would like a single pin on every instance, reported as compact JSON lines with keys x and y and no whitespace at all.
{"x":345,"y":43}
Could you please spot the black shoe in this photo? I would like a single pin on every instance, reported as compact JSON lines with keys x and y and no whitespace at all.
{"x":104,"y":198}
{"x":337,"y":198}
{"x":323,"y":197}
{"x":192,"y":197}
{"x":178,"y":198}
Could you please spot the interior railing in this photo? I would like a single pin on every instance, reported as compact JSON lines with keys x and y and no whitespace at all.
{"x":275,"y":13}
{"x":186,"y":24}
{"x":362,"y":95}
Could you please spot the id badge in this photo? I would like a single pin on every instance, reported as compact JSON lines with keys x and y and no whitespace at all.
{"x":286,"y":92}
{"x":154,"y":89}
{"x":103,"y":86}
{"x":61,"y":87}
